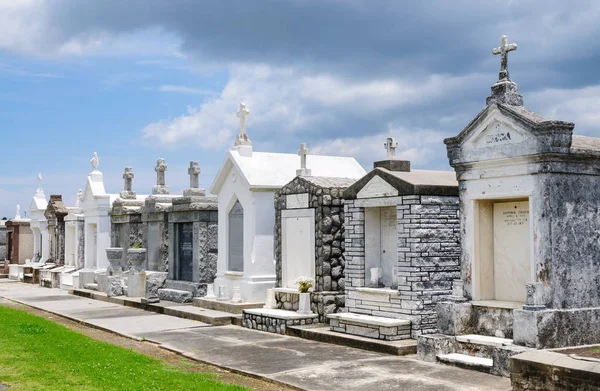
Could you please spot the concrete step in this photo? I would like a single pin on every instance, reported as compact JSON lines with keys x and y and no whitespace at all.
{"x":484,"y":340}
{"x":175,"y":295}
{"x":321,"y":333}
{"x":480,"y":364}
{"x":185,"y":311}
{"x":225,"y":306}
{"x":92,"y":286}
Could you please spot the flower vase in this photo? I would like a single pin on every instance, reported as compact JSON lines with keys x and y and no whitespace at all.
{"x":304,"y":303}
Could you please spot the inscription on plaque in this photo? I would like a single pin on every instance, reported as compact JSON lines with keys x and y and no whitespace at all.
{"x":185,"y":252}
{"x":236,"y":238}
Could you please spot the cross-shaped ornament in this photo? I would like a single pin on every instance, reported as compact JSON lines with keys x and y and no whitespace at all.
{"x":128,"y":176}
{"x":194,"y":172}
{"x":303,"y":152}
{"x":390,"y":147}
{"x":503,"y":50}
{"x":242,"y":113}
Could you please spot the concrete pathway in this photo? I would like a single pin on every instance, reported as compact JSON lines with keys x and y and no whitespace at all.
{"x":301,"y":363}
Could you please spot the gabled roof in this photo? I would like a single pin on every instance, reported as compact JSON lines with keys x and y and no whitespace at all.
{"x":525,"y":117}
{"x":38,"y":202}
{"x":414,"y":182}
{"x":55,"y":207}
{"x":265,"y":170}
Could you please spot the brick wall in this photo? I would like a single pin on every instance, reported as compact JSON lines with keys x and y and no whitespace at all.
{"x":428,"y":259}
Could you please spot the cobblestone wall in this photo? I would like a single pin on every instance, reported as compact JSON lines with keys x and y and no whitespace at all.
{"x":428,"y":259}
{"x":328,"y":204}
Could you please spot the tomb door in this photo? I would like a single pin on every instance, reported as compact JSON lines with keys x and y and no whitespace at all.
{"x":184,"y":260}
{"x":235,"y":238}
{"x":381,"y":243}
{"x":512,"y":266}
{"x":298,"y":245}
{"x":154,"y":244}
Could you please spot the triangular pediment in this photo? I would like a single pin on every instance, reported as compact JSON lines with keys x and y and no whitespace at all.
{"x":377,"y":187}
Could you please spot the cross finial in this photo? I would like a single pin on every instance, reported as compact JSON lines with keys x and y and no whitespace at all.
{"x":303,"y":152}
{"x":95,"y":161}
{"x":160,"y":169}
{"x":390,"y":146}
{"x":503,"y":50}
{"x":128,"y":177}
{"x":242,"y":138}
{"x":194,"y":172}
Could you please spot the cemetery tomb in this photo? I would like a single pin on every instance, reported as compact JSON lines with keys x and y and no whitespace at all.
{"x":4,"y":268}
{"x":529,"y":222}
{"x":74,"y":246}
{"x":55,"y":217}
{"x":19,"y":240}
{"x":401,"y":248}
{"x":155,"y":231}
{"x":193,"y":230}
{"x":38,"y":224}
{"x":245,"y":186}
{"x":96,"y":205}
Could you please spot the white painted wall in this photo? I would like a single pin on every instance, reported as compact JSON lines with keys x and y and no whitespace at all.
{"x":298,"y":245}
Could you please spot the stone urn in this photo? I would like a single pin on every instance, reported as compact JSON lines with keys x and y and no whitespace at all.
{"x":136,"y":257}
{"x":304,"y":303}
{"x":114,"y":255}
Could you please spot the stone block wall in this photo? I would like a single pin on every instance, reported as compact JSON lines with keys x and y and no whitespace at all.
{"x":329,"y":243}
{"x":428,"y":259}
{"x":271,"y":324}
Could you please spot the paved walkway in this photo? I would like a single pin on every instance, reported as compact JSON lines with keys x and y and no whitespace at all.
{"x":301,"y":363}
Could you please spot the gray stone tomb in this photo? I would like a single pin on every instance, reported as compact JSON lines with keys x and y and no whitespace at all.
{"x":401,"y":227}
{"x":530,"y":217}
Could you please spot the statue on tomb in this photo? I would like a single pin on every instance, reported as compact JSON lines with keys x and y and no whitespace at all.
{"x":242,"y":138}
{"x":95,"y":161}
{"x":79,"y":198}
{"x":18,"y":213}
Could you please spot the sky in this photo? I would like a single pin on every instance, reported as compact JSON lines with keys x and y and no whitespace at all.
{"x":138,"y":80}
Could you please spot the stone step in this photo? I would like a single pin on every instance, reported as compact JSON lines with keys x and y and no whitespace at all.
{"x":389,"y":329}
{"x":274,"y":320}
{"x":3,"y":275}
{"x":225,"y":306}
{"x":480,"y":364}
{"x":175,"y":295}
{"x":92,"y":286}
{"x":484,"y":340}
{"x":322,"y":333}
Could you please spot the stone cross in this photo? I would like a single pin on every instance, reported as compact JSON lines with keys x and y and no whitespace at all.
{"x":95,"y":161}
{"x":128,"y":176}
{"x":503,"y":50}
{"x":194,"y":172}
{"x":390,"y":146}
{"x":18,"y":213}
{"x":303,"y":152}
{"x":242,"y":113}
{"x":160,"y":169}
{"x":79,"y":198}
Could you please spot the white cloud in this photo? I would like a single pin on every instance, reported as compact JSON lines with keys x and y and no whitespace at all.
{"x":183,"y":89}
{"x":574,"y":105}
{"x":420,"y":146}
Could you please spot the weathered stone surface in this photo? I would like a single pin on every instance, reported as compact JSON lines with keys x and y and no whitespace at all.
{"x":114,"y":286}
{"x":174,"y":295}
{"x":154,"y":282}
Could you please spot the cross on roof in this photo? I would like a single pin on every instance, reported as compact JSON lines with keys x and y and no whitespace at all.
{"x":303,"y":152}
{"x":503,"y":50}
{"x":194,"y":172}
{"x":390,"y":147}
{"x":128,"y":176}
{"x":242,"y":113}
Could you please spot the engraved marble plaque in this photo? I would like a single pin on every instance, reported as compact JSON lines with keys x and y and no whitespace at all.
{"x":296,"y":201}
{"x":184,"y":261}
{"x":236,"y":238}
{"x":512,"y":267}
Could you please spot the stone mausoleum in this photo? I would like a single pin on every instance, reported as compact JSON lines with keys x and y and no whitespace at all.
{"x":309,"y":240}
{"x":530,"y":217}
{"x":401,"y":247}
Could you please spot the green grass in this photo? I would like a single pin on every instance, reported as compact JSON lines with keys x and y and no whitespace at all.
{"x":37,"y":354}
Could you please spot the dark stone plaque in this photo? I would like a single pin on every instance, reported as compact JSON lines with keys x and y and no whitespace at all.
{"x":184,"y":261}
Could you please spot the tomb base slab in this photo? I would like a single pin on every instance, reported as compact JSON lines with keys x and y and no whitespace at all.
{"x":175,"y":295}
{"x":274,"y":320}
{"x":388,"y":329}
{"x":225,"y":306}
{"x":114,"y":286}
{"x":136,"y":285}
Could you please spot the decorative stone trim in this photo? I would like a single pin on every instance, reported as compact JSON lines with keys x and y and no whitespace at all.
{"x":274,"y":321}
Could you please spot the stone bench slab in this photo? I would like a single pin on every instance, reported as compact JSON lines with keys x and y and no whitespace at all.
{"x":484,"y":340}
{"x":368,"y":320}
{"x":279,"y":314}
{"x":465,"y":360}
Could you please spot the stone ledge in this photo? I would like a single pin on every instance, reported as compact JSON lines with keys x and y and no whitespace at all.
{"x":511,"y":305}
{"x":360,"y":319}
{"x":378,"y":291}
{"x":484,"y":340}
{"x":279,"y":314}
